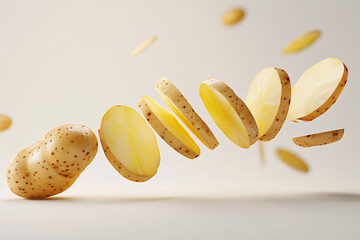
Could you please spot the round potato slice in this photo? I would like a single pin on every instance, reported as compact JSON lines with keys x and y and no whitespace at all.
{"x":302,"y":42}
{"x":129,"y":144}
{"x":292,"y":160}
{"x":229,"y":112}
{"x":318,"y":139}
{"x":268,"y":99}
{"x":168,"y":128}
{"x":317,"y":89}
{"x":182,"y":108}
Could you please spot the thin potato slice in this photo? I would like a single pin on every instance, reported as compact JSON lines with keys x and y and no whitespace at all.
{"x":233,"y":16}
{"x":318,"y":139}
{"x":268,"y":99}
{"x":317,"y":89}
{"x":5,"y":122}
{"x":168,"y":128}
{"x":143,"y":46}
{"x":261,"y":152}
{"x":229,"y":112}
{"x":182,"y":108}
{"x":292,"y":160}
{"x":129,"y":143}
{"x":302,"y":42}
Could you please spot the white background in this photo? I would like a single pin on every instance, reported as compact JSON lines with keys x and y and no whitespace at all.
{"x":69,"y":61}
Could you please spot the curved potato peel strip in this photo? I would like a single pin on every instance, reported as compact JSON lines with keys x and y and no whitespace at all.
{"x":182,"y":108}
{"x":139,"y":49}
{"x":318,"y":139}
{"x":292,"y":160}
{"x":268,"y":99}
{"x":302,"y":42}
{"x":317,"y":89}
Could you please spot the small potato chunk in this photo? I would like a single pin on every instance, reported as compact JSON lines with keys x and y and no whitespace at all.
{"x":318,"y":139}
{"x":317,"y":89}
{"x":182,"y":108}
{"x":302,"y":42}
{"x":268,"y":99}
{"x":129,"y":144}
{"x":5,"y":122}
{"x":229,"y":112}
{"x":233,"y":16}
{"x":52,"y":164}
{"x":292,"y":160}
{"x":168,"y":128}
{"x":139,"y":49}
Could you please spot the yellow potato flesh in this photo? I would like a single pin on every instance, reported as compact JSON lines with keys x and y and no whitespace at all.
{"x":233,"y":16}
{"x":315,"y":87}
{"x":292,"y":160}
{"x":224,"y":115}
{"x":131,"y":140}
{"x":302,"y":42}
{"x":172,"y":125}
{"x":264,"y":97}
{"x":5,"y":122}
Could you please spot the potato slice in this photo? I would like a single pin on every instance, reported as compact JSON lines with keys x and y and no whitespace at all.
{"x":317,"y":89}
{"x":5,"y":122}
{"x":182,"y":108}
{"x":292,"y":160}
{"x":139,"y":49}
{"x":129,"y":143}
{"x":302,"y":42}
{"x":168,"y":128}
{"x":318,"y":139}
{"x":261,"y":152}
{"x":229,"y":112}
{"x":268,"y":99}
{"x":233,"y":16}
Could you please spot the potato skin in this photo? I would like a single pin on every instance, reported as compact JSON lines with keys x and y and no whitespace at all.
{"x":52,"y":164}
{"x":319,"y":139}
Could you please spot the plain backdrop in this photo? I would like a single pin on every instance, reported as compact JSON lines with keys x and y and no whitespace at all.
{"x":69,"y":61}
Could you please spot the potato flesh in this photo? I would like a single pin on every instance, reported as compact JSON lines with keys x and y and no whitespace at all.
{"x":233,"y":16}
{"x":224,"y":115}
{"x":264,"y":97}
{"x":292,"y":160}
{"x":5,"y":122}
{"x":315,"y":87}
{"x":172,"y":125}
{"x":131,"y":140}
{"x":143,"y":46}
{"x":302,"y":42}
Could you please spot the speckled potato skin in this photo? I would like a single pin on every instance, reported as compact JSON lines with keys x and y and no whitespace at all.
{"x":283,"y":107}
{"x":164,"y":133}
{"x":332,"y":99}
{"x":319,"y":139}
{"x":171,"y":91}
{"x":240,"y":107}
{"x":52,"y":164}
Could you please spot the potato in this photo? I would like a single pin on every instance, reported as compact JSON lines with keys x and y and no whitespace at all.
{"x":268,"y":99}
{"x":317,"y":89}
{"x":318,"y":139}
{"x":52,"y":164}
{"x":182,"y":108}
{"x":139,"y":49}
{"x":5,"y":122}
{"x":168,"y":128}
{"x":302,"y":42}
{"x":261,"y":152}
{"x":233,"y":16}
{"x":292,"y":160}
{"x":129,"y":143}
{"x":229,"y":112}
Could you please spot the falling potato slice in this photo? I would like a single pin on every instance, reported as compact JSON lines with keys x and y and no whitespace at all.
{"x":261,"y":152}
{"x":292,"y":160}
{"x":129,"y":143}
{"x":233,"y":16}
{"x":168,"y":128}
{"x":318,"y":139}
{"x":5,"y":122}
{"x":182,"y":108}
{"x":143,"y":46}
{"x":302,"y":42}
{"x":229,"y":112}
{"x":317,"y":89}
{"x":268,"y":99}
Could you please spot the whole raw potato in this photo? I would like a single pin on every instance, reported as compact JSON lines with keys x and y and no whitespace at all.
{"x":52,"y":164}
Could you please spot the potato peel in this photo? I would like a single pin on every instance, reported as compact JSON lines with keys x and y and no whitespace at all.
{"x":182,"y":108}
{"x":292,"y":160}
{"x":319,"y":139}
{"x":302,"y":42}
{"x":143,"y":46}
